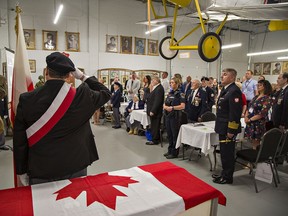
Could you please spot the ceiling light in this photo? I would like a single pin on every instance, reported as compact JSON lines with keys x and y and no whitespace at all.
{"x":228,"y":46}
{"x":155,"y":29}
{"x":282,"y":57}
{"x":267,"y":52}
{"x":58,"y":13}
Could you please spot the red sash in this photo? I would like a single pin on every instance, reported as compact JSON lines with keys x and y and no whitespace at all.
{"x":53,"y":114}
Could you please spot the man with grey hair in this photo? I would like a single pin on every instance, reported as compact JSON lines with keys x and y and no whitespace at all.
{"x":133,"y":86}
{"x":155,"y":102}
{"x":229,"y":109}
{"x":196,"y":101}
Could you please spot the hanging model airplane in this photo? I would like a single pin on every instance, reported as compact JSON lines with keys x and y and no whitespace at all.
{"x":209,"y":46}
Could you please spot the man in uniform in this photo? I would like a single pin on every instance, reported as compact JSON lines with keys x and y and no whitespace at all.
{"x":229,"y":109}
{"x":280,"y":108}
{"x":209,"y":91}
{"x":52,"y":138}
{"x":196,"y":101}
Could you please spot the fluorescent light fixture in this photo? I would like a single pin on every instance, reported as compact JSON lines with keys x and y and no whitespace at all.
{"x":228,"y":46}
{"x":58,"y":13}
{"x":282,"y":57}
{"x":267,"y":52}
{"x":155,"y":29}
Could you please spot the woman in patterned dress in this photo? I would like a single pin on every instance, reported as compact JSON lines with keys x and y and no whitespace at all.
{"x":257,"y":113}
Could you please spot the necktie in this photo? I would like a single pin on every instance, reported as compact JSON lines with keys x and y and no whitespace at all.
{"x":134,"y":106}
{"x":132,"y":84}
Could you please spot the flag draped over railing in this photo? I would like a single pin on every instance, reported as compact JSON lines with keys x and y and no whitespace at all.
{"x":21,"y":81}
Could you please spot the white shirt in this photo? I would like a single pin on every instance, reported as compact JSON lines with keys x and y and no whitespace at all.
{"x":165,"y":84}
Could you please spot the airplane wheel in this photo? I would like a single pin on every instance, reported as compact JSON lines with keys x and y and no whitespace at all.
{"x":164,"y":49}
{"x":209,"y":47}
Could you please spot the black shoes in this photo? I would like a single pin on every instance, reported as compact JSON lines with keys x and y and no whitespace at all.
{"x":221,"y":180}
{"x":4,"y":148}
{"x":171,"y":156}
{"x":151,"y":143}
{"x":116,"y":127}
{"x":166,"y":154}
{"x":216,"y":176}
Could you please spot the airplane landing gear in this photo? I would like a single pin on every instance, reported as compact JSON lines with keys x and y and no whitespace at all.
{"x":209,"y":47}
{"x":164,"y":49}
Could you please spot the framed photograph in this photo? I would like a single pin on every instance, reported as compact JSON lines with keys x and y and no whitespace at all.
{"x":126,"y":44}
{"x":32,"y":64}
{"x":276,"y":68}
{"x":29,"y":36}
{"x":72,"y":41}
{"x":258,"y":68}
{"x":153,"y":47}
{"x":112,"y":43}
{"x":140,"y":46}
{"x":124,"y":79}
{"x":266,"y":68}
{"x":105,"y":80}
{"x":285,"y":67}
{"x":49,"y":40}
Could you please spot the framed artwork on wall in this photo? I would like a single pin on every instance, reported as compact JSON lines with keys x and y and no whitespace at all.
{"x":112,"y":43}
{"x":258,"y":68}
{"x":126,"y":44}
{"x":140,"y":46}
{"x":49,"y":40}
{"x":153,"y":47}
{"x":32,"y":64}
{"x":285,"y":67}
{"x":276,"y":68}
{"x":29,"y":36}
{"x":105,"y":80}
{"x":72,"y":41}
{"x":267,"y":68}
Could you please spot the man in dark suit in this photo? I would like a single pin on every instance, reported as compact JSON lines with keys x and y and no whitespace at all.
{"x":52,"y":137}
{"x":155,"y":109}
{"x":209,"y":91}
{"x":196,"y":101}
{"x":229,"y":109}
{"x":280,"y":108}
{"x":115,"y":102}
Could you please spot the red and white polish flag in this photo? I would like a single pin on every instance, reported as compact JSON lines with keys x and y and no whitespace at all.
{"x":157,"y":189}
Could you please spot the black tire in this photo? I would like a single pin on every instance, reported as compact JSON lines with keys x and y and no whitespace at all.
{"x":201,"y":51}
{"x":164,"y":43}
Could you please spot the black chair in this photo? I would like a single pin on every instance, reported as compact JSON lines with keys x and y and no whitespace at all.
{"x":208,"y":116}
{"x":266,"y":153}
{"x":282,"y":152}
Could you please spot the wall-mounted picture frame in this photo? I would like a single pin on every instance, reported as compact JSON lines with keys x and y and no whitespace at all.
{"x":112,"y":43}
{"x":32,"y":64}
{"x":258,"y":68}
{"x":276,"y":68}
{"x":126,"y":44}
{"x":285,"y":67}
{"x":29,"y":36}
{"x":72,"y":41}
{"x":139,"y":46}
{"x":105,"y":79}
{"x":153,"y":47}
{"x":49,"y":40}
{"x":266,"y":68}
{"x":124,"y":78}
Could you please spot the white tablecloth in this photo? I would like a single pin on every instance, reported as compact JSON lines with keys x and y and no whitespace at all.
{"x":123,"y":107}
{"x":201,"y":136}
{"x":141,"y":116}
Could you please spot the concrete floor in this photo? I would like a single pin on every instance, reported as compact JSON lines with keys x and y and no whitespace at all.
{"x":118,"y":150}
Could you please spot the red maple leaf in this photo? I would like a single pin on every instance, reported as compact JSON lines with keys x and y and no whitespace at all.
{"x":98,"y":188}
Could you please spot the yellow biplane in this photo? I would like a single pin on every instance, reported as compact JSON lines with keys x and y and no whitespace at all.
{"x":209,"y":46}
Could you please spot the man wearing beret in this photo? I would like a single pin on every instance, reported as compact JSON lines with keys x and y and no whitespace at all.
{"x":52,"y":137}
{"x":115,"y":102}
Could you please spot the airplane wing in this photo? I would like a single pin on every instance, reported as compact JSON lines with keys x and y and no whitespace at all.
{"x":258,"y":12}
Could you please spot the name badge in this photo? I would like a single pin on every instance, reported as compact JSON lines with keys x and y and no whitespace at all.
{"x":250,"y":110}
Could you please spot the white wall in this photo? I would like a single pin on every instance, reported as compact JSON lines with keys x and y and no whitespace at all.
{"x":96,"y":18}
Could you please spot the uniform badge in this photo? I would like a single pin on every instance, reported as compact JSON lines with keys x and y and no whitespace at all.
{"x":212,"y":95}
{"x":236,"y":100}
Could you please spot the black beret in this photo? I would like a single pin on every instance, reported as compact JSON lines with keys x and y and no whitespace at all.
{"x":117,"y":83}
{"x":205,"y":78}
{"x":60,"y":63}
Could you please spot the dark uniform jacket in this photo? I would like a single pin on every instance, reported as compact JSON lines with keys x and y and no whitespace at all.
{"x":155,"y":101}
{"x":210,"y":97}
{"x":174,"y":98}
{"x":229,"y":109}
{"x":198,"y":106}
{"x":69,"y":146}
{"x":116,"y":99}
{"x":280,"y":109}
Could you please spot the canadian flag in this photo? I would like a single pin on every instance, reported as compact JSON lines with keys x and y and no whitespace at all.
{"x":156,"y":189}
